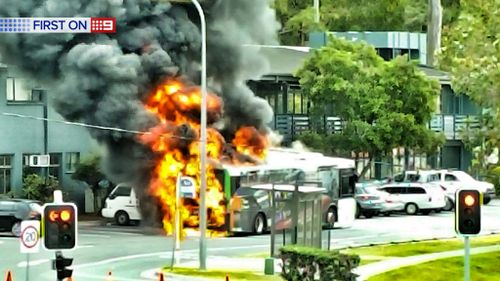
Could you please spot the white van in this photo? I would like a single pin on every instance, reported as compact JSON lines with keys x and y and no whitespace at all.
{"x":122,"y":205}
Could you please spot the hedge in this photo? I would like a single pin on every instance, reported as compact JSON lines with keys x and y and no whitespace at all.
{"x":307,"y":264}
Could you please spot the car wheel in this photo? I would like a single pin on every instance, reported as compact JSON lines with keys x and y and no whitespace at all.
{"x":486,"y":199}
{"x":411,"y":209}
{"x":331,"y":217}
{"x":259,"y":224}
{"x":368,"y":214}
{"x":387,"y":214}
{"x":358,"y":211}
{"x":122,"y":218}
{"x":448,"y":206}
{"x":16,"y":229}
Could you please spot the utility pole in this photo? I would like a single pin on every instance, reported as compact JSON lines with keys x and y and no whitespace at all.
{"x":316,"y":11}
{"x":203,"y":139}
{"x":434,"y":30}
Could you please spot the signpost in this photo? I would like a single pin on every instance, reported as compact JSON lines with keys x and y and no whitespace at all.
{"x":29,"y":240}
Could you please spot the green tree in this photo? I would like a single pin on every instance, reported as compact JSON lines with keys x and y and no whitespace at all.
{"x":35,"y":187}
{"x":384,"y":104}
{"x":89,"y":171}
{"x":297,"y":16}
{"x":471,"y":51}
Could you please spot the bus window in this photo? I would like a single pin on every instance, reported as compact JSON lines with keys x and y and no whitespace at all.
{"x":329,"y":180}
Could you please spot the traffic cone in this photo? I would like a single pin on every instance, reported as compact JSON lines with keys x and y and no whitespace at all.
{"x":227,"y":277}
{"x":161,"y":278}
{"x":8,"y":276}
{"x":69,"y":279}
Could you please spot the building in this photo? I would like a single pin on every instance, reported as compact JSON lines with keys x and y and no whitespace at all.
{"x":23,"y":137}
{"x":282,"y":90}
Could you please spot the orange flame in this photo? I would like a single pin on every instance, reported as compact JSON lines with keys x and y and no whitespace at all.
{"x":175,"y":140}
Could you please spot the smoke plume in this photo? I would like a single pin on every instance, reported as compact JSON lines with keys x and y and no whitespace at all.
{"x":103,"y":79}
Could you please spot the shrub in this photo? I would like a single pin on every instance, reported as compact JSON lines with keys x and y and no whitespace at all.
{"x":35,"y":188}
{"x":305,"y":264}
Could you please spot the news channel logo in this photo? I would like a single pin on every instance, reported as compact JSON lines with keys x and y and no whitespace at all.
{"x":57,"y":25}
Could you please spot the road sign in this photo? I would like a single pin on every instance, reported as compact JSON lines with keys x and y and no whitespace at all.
{"x":30,"y":236}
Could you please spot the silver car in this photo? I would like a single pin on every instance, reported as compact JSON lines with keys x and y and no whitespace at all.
{"x":372,"y":201}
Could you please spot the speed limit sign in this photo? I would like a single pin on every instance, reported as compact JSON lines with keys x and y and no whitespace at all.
{"x":30,"y":236}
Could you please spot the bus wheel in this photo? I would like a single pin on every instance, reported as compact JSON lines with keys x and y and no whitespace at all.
{"x":331,"y":217}
{"x":259,"y":224}
{"x":122,"y":218}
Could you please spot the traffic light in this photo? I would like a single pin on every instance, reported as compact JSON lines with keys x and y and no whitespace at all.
{"x":60,"y":264}
{"x":60,"y":226}
{"x":468,"y":211}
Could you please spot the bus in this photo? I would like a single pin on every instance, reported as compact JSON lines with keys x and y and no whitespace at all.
{"x":248,"y":207}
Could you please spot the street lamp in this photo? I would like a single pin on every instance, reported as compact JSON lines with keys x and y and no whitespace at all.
{"x":203,"y":139}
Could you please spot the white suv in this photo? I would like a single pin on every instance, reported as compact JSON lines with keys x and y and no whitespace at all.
{"x":417,"y":196}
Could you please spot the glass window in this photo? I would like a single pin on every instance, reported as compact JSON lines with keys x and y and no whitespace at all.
{"x":19,"y":89}
{"x":271,"y":99}
{"x":450,"y":177}
{"x":5,"y":173}
{"x":55,"y":165}
{"x":123,"y":191}
{"x":262,"y":198}
{"x":415,"y":190}
{"x":279,"y":104}
{"x":72,"y":159}
{"x":290,"y":102}
{"x":298,"y":102}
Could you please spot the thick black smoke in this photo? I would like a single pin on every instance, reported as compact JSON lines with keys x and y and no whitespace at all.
{"x":104,"y":79}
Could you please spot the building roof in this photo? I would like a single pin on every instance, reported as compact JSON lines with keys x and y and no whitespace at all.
{"x":286,"y":60}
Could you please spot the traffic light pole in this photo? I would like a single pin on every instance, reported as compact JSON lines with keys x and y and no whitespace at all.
{"x":466,"y":258}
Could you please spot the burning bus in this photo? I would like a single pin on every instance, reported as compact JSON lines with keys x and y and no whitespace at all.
{"x":245,"y":199}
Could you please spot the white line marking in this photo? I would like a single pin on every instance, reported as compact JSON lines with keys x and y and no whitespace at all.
{"x":32,"y":263}
{"x":112,"y":232}
{"x":95,"y":235}
{"x":85,"y":246}
{"x":160,"y":254}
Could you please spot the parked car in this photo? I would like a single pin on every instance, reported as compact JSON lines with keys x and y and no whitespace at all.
{"x":14,"y":211}
{"x":450,"y":181}
{"x":371,"y":201}
{"x":417,"y":197}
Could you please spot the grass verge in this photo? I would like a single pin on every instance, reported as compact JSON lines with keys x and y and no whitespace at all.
{"x":484,"y":267}
{"x":420,"y":248}
{"x":220,"y":274}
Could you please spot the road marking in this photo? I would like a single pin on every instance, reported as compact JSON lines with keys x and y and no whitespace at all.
{"x":32,"y":263}
{"x":104,"y":232}
{"x":85,"y":246}
{"x":1,"y":242}
{"x":161,"y":254}
{"x":95,"y":235}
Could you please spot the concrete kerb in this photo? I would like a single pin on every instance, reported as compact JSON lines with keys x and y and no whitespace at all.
{"x":376,"y":268}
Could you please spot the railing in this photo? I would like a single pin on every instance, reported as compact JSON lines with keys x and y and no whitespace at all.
{"x":292,"y":125}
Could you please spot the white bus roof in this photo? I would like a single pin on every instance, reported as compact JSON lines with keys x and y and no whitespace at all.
{"x":288,"y":187}
{"x":281,"y":158}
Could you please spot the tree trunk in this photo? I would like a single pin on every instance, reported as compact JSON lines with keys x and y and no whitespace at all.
{"x":434,"y":30}
{"x":367,"y":167}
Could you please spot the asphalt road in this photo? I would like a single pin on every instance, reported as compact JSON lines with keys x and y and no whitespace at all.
{"x":127,"y":251}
